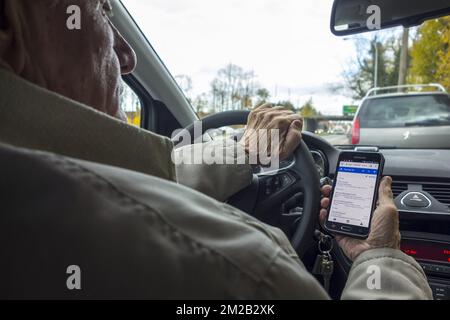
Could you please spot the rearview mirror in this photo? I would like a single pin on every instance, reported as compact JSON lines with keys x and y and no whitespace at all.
{"x":357,"y":16}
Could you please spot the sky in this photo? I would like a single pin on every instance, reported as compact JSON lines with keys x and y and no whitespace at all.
{"x":288,"y":44}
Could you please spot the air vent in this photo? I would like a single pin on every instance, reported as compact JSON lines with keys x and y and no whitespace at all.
{"x":440,"y":190}
{"x":398,"y":187}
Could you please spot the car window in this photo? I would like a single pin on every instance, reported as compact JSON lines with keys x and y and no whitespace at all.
{"x":130,"y":104}
{"x":405,"y":111}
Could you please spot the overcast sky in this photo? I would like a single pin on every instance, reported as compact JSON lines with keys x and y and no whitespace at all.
{"x":287,"y":43}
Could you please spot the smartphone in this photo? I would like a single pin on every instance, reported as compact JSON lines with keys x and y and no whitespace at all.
{"x":355,"y":192}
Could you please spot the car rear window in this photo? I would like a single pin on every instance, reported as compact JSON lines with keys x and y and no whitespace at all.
{"x":405,"y":111}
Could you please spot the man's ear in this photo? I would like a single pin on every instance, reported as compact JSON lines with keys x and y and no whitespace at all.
{"x":12,"y":49}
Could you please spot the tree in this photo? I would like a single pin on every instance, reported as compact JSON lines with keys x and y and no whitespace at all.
{"x":444,"y":56}
{"x":359,"y":76}
{"x":431,"y":53}
{"x":247,"y":90}
{"x":233,"y":88}
{"x":308,"y":110}
{"x":130,"y":104}
{"x":287,"y":104}
{"x":226,"y":86}
{"x":201,"y":104}
{"x":185,"y":83}
{"x":263,"y":95}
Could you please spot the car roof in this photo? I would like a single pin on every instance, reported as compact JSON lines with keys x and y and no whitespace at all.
{"x":405,"y":90}
{"x":405,"y":94}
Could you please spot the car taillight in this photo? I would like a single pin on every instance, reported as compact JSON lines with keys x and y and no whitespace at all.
{"x":356,"y":132}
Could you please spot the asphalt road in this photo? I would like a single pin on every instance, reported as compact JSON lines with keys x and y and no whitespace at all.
{"x":335,"y":139}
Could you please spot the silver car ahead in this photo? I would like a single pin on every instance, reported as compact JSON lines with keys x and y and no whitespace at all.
{"x":404,"y":120}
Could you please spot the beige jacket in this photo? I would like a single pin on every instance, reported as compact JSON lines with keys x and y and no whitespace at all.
{"x":105,"y":199}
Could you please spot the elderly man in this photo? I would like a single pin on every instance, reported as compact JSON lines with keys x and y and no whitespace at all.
{"x":84,"y":191}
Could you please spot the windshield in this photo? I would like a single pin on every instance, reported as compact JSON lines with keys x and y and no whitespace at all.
{"x":233,"y":55}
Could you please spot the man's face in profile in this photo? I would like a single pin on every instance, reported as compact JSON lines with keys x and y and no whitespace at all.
{"x":83,"y":64}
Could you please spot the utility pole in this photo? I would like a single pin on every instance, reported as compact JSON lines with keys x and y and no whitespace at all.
{"x":375,"y":81}
{"x":403,"y":58}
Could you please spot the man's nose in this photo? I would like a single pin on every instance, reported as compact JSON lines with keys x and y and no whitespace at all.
{"x":126,"y":55}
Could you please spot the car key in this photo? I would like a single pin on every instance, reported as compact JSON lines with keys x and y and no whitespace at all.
{"x":318,"y":264}
{"x":327,"y":270}
{"x":324,"y":264}
{"x":324,"y":267}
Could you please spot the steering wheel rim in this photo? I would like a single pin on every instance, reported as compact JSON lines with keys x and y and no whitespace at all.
{"x":305,"y":181}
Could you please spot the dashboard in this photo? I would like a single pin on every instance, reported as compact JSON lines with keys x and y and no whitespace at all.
{"x":421,"y":187}
{"x":321,"y":162}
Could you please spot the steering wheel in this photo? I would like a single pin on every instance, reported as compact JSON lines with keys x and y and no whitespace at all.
{"x":279,"y":191}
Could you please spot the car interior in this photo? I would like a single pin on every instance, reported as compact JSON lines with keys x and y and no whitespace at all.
{"x":290,"y":197}
{"x":425,"y":229}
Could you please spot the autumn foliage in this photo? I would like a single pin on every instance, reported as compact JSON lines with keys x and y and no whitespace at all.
{"x":430,"y":53}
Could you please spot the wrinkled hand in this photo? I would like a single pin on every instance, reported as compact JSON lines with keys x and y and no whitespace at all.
{"x":384,"y":232}
{"x":267,"y":117}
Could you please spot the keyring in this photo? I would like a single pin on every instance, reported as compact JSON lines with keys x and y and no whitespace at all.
{"x":325,"y":240}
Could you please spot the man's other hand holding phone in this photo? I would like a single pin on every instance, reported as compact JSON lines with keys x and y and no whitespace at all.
{"x":384,"y":232}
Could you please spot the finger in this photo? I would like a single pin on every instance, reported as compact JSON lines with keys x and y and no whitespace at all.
{"x":281,"y":113}
{"x":280,"y":109}
{"x":288,"y":128}
{"x":274,"y":114}
{"x":326,"y":190}
{"x":385,"y":196}
{"x":263,"y":115}
{"x":325,"y":202}
{"x":258,"y":111}
{"x":263,"y":106}
{"x":293,"y":135}
{"x":323,"y":216}
{"x":256,"y":115}
{"x":339,"y":239}
{"x":293,"y":138}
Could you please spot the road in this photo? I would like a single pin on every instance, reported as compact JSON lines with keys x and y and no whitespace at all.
{"x":336,"y":139}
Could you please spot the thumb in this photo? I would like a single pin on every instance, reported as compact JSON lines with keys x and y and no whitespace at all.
{"x":293,"y":136}
{"x":297,"y":125}
{"x":294,"y":131}
{"x":385,"y":195}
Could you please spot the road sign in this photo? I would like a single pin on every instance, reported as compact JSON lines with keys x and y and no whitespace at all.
{"x":350,"y":110}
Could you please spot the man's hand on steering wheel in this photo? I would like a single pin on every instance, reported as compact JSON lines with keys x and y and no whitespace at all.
{"x":270,"y":189}
{"x":267,"y":117}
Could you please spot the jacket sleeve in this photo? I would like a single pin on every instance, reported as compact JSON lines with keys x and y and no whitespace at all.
{"x":218,"y":169}
{"x":386,"y":274}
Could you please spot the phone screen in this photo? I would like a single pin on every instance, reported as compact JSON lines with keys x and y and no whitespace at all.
{"x":353,"y":195}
